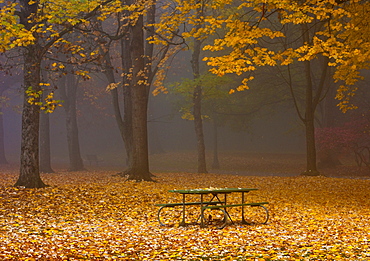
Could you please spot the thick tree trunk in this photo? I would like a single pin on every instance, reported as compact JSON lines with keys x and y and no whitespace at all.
{"x":136,"y":81}
{"x":309,"y":122}
{"x":3,"y":87}
{"x":155,"y":146}
{"x":198,"y":124}
{"x":197,"y":109}
{"x":310,"y":107}
{"x":139,"y":167}
{"x":310,"y":144}
{"x":29,"y":169}
{"x":2,"y":145}
{"x":45,"y":160}
{"x":127,"y":102}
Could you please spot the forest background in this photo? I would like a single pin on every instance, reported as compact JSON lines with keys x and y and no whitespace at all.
{"x":268,"y":111}
{"x":317,"y":42}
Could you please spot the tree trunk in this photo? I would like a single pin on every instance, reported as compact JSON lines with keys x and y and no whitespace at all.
{"x":127,"y":102}
{"x":136,"y":64}
{"x":109,"y":73}
{"x":68,"y":89}
{"x":139,"y":168}
{"x":45,"y":160}
{"x":2,"y":145}
{"x":329,"y":158}
{"x":3,"y":87}
{"x":310,"y":142}
{"x":309,"y":120}
{"x":29,"y":169}
{"x":197,"y":109}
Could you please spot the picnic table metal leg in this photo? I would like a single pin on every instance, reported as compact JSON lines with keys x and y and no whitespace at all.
{"x":243,"y":219}
{"x":227,"y":215}
{"x":159,"y":216}
{"x":202,"y":223}
{"x":183,"y":211}
{"x":267,"y":216}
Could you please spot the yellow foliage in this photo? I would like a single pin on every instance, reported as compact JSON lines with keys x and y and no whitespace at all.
{"x":112,"y":86}
{"x":48,"y":105}
{"x":343,"y":37}
{"x":11,"y":32}
{"x":48,"y":21}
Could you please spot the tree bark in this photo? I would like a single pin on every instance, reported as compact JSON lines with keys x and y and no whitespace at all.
{"x":197,"y":105}
{"x":137,"y":75}
{"x":155,"y":146}
{"x":123,"y":128}
{"x":2,"y":145}
{"x":29,"y":169}
{"x":127,"y":101}
{"x":309,"y":120}
{"x":45,"y":159}
{"x":139,"y":168}
{"x":2,"y":136}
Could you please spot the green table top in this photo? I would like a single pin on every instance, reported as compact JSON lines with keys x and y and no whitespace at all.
{"x":211,"y":190}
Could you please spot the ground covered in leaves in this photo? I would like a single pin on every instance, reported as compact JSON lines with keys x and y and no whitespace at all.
{"x":98,"y":216}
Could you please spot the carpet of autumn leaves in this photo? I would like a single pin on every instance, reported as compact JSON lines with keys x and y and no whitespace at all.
{"x":99,"y":216}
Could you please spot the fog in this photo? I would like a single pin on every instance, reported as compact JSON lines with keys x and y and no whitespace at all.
{"x":270,"y":124}
{"x":273,"y":133}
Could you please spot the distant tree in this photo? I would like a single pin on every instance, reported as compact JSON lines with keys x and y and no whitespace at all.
{"x":198,"y":93}
{"x":68,"y":87}
{"x":45,"y":151}
{"x":3,"y":100}
{"x":213,"y":92}
{"x":235,"y":111}
{"x":194,"y":15}
{"x":9,"y":79}
{"x":141,"y":62}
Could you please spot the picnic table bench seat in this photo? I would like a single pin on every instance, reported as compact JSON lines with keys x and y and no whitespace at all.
{"x":253,"y":204}
{"x":261,"y":220}
{"x":177,"y":204}
{"x":189,"y":203}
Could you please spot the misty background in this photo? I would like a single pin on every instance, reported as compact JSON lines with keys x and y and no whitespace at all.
{"x":274,"y":129}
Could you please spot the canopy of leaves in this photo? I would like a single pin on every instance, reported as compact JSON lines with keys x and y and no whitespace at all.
{"x":51,"y":20}
{"x":342,"y":37}
{"x":94,"y":215}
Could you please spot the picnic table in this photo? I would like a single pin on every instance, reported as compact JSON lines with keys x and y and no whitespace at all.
{"x":218,"y":201}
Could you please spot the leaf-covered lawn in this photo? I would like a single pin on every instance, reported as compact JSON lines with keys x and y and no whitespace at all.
{"x":96,"y":216}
